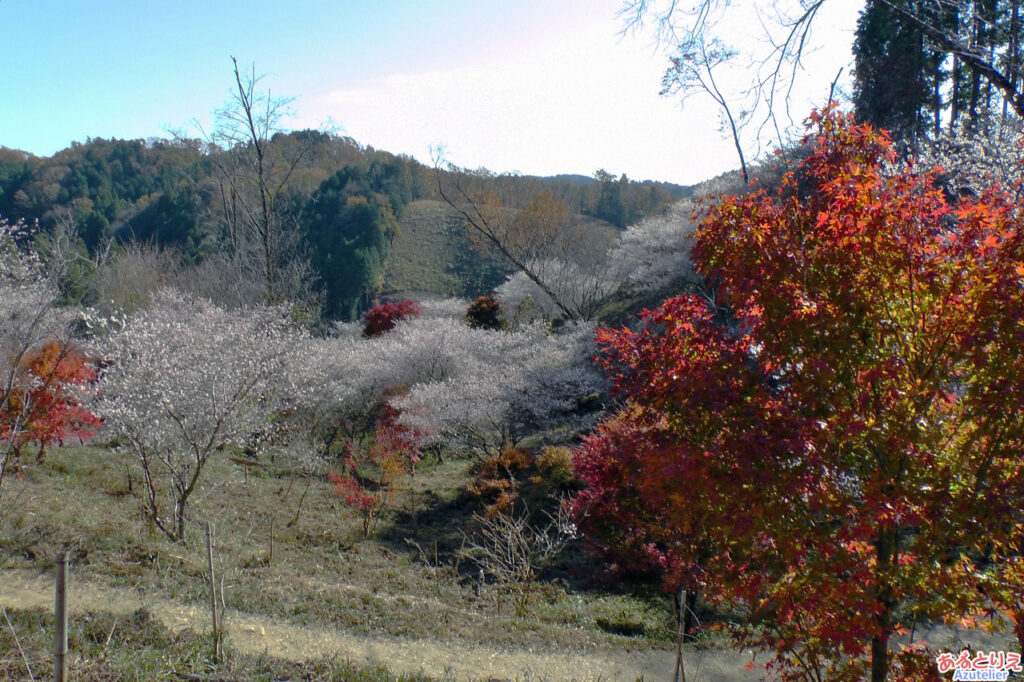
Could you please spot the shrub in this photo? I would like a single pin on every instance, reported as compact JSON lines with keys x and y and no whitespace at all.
{"x":43,"y":404}
{"x":521,"y":481}
{"x":485,"y":313}
{"x":383,"y":318}
{"x":371,"y":473}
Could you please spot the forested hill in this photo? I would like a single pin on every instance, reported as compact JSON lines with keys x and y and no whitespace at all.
{"x":190,"y":196}
{"x":336,"y":202}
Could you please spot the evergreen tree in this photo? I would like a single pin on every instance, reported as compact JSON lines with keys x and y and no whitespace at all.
{"x":892,"y":81}
{"x":957,"y":64}
{"x":610,"y":205}
{"x":350,"y":221}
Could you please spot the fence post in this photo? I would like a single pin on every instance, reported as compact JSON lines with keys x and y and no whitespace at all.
{"x":213,"y":593}
{"x":60,"y":612}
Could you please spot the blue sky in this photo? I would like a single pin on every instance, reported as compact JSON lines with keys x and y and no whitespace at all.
{"x":535,"y":86}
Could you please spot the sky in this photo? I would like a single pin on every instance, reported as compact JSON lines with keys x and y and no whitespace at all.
{"x":538,"y":87}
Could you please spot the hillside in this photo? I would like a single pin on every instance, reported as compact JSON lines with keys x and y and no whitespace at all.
{"x":197,"y":200}
{"x":431,"y":254}
{"x":296,"y":570}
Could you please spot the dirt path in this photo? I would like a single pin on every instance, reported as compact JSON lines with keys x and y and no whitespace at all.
{"x":253,"y":634}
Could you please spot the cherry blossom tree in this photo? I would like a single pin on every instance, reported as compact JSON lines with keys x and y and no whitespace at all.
{"x":461,"y":387}
{"x":580,"y":288}
{"x":655,"y":252}
{"x":505,"y":385}
{"x":343,"y":381}
{"x":973,"y":160}
{"x":186,"y":380}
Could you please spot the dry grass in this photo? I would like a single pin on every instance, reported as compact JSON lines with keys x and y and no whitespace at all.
{"x":106,"y":646}
{"x":287,"y":547}
{"x":430,"y":255}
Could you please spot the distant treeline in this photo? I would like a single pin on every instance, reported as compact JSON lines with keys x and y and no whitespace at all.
{"x":342,"y":201}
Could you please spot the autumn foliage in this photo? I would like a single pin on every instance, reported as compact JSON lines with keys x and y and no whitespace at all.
{"x":485,"y":313}
{"x":383,"y":317}
{"x":828,"y":436}
{"x":519,"y":481}
{"x":42,"y":405}
{"x":368,"y":480}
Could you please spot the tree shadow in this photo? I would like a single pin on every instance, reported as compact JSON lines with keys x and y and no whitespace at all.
{"x":437,"y":527}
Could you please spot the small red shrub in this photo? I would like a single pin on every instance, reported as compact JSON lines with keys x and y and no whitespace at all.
{"x":383,"y":318}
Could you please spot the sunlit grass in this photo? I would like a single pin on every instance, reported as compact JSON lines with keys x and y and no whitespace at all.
{"x":286,"y":546}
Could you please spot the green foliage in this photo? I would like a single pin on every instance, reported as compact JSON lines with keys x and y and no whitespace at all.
{"x":166,"y":193}
{"x":892,"y":83}
{"x":433,"y":254}
{"x":350,"y":222}
{"x":924,"y":66}
{"x":618,"y":201}
{"x":172,"y":218}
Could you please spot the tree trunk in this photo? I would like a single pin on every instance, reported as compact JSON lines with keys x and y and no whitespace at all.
{"x":680,"y":600}
{"x":1014,"y":56}
{"x":879,"y":657}
{"x":886,"y":548}
{"x":978,"y":66}
{"x":954,"y":113}
{"x":179,"y":520}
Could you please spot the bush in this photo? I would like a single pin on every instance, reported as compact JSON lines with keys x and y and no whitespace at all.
{"x":485,"y":313}
{"x":372,"y":473}
{"x":383,"y":318}
{"x":521,"y":481}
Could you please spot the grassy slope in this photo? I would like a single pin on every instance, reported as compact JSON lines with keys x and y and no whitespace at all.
{"x":322,"y":570}
{"x":431,"y":255}
{"x":422,"y":253}
{"x":137,"y":647}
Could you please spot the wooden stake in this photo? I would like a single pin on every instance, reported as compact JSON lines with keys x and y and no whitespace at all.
{"x":680,"y":673}
{"x":60,"y":612}
{"x":213,"y":593}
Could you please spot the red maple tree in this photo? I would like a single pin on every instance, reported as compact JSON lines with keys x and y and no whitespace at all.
{"x":41,"y":405}
{"x":829,"y":435}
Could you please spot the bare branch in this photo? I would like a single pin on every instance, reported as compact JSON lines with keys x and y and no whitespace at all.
{"x":693,"y":69}
{"x":473,"y":213}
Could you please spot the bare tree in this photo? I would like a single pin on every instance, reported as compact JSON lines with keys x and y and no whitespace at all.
{"x":511,"y":549}
{"x":254,"y":176}
{"x":693,"y":28}
{"x":693,"y":69}
{"x":127,"y":281}
{"x":547,"y":244}
{"x":491,"y":222}
{"x":689,"y":30}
